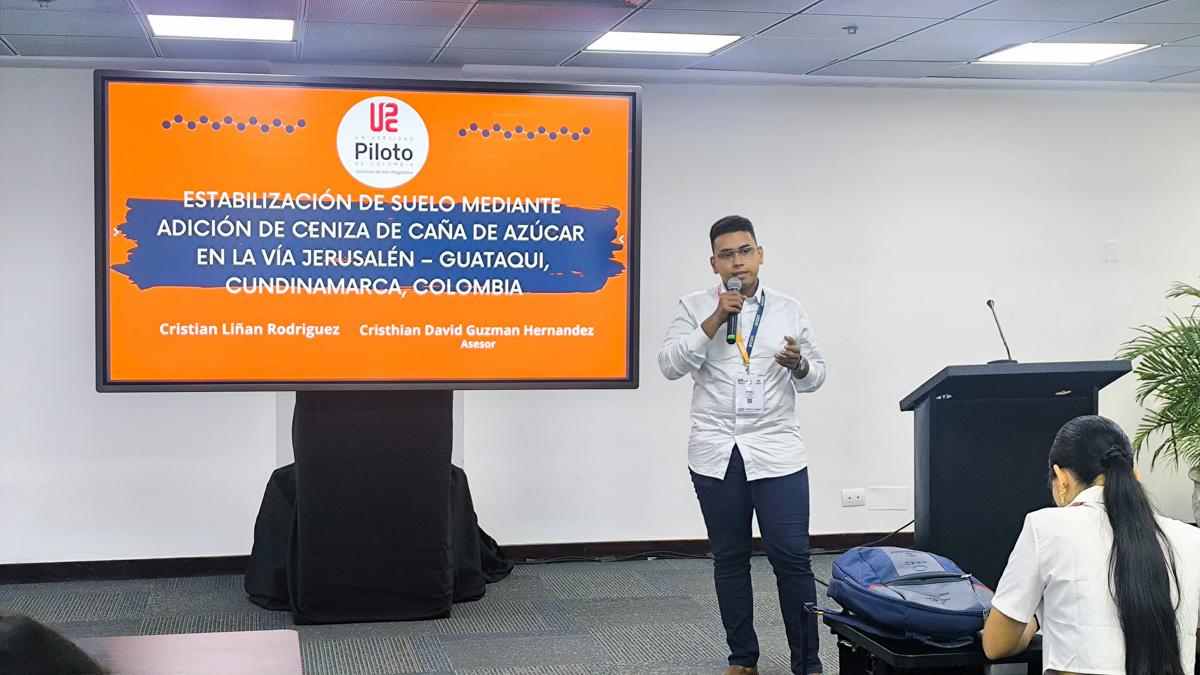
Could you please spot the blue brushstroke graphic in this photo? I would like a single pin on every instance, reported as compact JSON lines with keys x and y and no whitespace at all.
{"x":167,"y":260}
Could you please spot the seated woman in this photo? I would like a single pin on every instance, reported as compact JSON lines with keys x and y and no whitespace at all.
{"x":1114,"y":587}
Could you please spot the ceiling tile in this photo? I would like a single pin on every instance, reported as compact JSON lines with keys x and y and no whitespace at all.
{"x":928,"y":9}
{"x":905,"y":50}
{"x":4,"y":50}
{"x":997,"y":33}
{"x":1147,"y":33}
{"x":545,"y":17}
{"x":760,"y":64}
{"x":651,"y":61}
{"x":516,"y":38}
{"x":1187,"y":78}
{"x":119,"y":6}
{"x":404,"y":12}
{"x":502,"y":57}
{"x":1119,"y":73}
{"x":884,"y":68}
{"x":1056,"y":10}
{"x":997,"y":71}
{"x":374,"y":53}
{"x":80,"y":45}
{"x":250,"y":9}
{"x":179,"y":48}
{"x":1171,"y":11}
{"x":795,"y":48}
{"x":777,"y":6}
{"x":766,"y":54}
{"x":1191,"y":42}
{"x":1164,"y":56}
{"x":39,"y":22}
{"x":687,"y":21}
{"x":623,"y":4}
{"x":869,"y":30}
{"x":343,"y":36}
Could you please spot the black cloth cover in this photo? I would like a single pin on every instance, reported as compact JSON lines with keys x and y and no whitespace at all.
{"x":266,"y":573}
{"x":478,"y":559}
{"x":371,"y":523}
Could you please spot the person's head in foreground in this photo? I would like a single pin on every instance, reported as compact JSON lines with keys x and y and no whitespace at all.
{"x":1101,"y":574}
{"x":28,"y":647}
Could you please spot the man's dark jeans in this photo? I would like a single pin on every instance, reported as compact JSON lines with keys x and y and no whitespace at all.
{"x":781,"y":504}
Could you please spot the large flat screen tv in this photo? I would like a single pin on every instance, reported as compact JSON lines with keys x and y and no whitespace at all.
{"x":280,"y":233}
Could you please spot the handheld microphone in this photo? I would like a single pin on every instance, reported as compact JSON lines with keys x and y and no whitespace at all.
{"x":992,"y":305}
{"x":731,"y":326}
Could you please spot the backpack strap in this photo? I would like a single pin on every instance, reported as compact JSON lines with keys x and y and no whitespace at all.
{"x":862,"y":624}
{"x":875,"y":629}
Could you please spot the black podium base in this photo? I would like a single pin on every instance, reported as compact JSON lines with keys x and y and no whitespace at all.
{"x":366,"y":520}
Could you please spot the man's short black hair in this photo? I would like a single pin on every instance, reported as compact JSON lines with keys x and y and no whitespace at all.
{"x":730,"y":224}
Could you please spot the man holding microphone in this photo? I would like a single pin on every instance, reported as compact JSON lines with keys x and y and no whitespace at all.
{"x":745,"y":451}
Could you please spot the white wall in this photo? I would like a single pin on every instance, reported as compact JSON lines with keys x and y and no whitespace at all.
{"x":85,"y":476}
{"x":891,"y":213}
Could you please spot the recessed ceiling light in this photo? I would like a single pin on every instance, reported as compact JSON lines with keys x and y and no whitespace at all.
{"x":1062,"y":53}
{"x":661,"y":43}
{"x":221,"y":27}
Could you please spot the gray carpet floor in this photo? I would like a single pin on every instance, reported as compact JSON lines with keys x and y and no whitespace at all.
{"x":645,"y":617}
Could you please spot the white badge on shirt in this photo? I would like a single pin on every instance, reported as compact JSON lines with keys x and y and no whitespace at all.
{"x":749,"y":392}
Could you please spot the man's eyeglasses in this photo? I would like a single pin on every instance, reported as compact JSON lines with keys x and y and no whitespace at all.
{"x":743,"y":252}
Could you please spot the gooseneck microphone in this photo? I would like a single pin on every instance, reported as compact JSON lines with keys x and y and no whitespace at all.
{"x":992,"y":305}
{"x":731,"y":326}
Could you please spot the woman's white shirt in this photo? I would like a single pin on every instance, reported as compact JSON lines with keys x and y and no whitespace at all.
{"x":1059,"y":570}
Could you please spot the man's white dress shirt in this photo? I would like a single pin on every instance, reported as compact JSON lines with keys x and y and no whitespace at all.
{"x":770,"y":444}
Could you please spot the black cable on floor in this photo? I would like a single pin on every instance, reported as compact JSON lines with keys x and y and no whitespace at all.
{"x":649,"y":555}
{"x":676,"y":555}
{"x":818,"y":551}
{"x":874,"y":543}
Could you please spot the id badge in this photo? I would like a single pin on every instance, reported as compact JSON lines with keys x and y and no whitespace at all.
{"x":749,"y":395}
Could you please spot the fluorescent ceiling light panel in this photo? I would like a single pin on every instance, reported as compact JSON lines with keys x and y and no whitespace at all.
{"x":660,"y":43}
{"x":1062,"y":53}
{"x":221,"y":28}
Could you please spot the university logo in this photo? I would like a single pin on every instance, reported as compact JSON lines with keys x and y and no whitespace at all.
{"x":382,"y":142}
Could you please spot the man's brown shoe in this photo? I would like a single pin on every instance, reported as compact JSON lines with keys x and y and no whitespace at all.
{"x":740,"y":670}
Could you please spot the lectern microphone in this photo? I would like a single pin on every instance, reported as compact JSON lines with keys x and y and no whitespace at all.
{"x":992,"y":306}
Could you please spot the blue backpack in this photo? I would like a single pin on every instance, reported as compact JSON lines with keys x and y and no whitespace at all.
{"x":908,"y":595}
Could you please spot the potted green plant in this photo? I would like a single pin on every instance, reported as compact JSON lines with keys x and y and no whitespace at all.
{"x":1167,"y":364}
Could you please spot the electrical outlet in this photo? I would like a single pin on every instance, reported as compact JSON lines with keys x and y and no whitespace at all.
{"x":854,"y":497}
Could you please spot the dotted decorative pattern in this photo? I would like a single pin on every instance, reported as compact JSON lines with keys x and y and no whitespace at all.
{"x":523,"y":132}
{"x":228,"y":122}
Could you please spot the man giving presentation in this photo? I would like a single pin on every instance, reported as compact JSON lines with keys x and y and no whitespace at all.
{"x":749,"y":350}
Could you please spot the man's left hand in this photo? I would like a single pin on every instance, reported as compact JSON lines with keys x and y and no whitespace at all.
{"x":789,"y":357}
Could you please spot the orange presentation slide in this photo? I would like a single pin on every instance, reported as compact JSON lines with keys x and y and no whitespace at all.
{"x":272,"y":233}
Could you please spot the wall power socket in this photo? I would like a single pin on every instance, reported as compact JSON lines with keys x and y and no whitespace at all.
{"x":854,"y":497}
